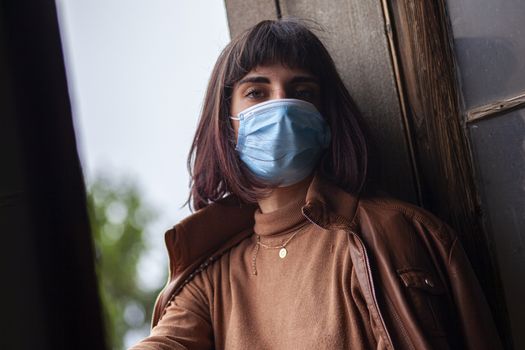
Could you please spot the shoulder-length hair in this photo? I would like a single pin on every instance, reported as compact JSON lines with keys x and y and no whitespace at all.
{"x":215,"y":168}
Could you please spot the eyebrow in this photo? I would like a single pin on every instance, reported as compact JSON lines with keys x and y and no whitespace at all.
{"x":265,"y":80}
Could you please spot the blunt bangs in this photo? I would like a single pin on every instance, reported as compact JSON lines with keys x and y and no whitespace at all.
{"x":286,"y":42}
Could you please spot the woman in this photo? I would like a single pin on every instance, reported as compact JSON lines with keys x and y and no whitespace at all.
{"x":285,"y":250}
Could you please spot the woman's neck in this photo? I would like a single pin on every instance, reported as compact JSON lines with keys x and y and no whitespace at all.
{"x":280,"y":196}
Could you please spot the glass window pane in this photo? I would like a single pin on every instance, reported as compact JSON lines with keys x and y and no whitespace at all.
{"x":498,"y":146}
{"x":489,"y":37}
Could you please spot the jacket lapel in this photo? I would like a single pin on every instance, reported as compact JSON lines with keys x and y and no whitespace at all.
{"x":204,"y":232}
{"x":329,"y":206}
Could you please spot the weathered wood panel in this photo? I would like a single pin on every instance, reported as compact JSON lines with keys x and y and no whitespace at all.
{"x":354,"y":33}
{"x":243,"y":14}
{"x":496,"y":108}
{"x":424,"y":49}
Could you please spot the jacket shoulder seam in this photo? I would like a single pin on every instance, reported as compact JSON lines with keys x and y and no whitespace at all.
{"x":407,"y":209}
{"x":414,"y":213}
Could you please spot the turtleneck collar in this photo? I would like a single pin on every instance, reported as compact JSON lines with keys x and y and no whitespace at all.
{"x":281,"y":221}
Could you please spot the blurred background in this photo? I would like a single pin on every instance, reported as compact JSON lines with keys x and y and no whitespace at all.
{"x":135,"y":106}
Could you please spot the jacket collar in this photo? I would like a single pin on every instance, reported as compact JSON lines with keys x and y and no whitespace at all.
{"x":213,"y":227}
{"x":328,"y":206}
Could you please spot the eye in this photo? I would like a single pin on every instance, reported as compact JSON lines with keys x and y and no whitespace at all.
{"x":254,"y":93}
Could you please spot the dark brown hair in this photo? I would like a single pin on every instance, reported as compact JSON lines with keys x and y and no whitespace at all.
{"x":215,"y":168}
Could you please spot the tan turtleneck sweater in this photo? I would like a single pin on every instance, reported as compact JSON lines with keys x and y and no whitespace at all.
{"x":253,"y":299}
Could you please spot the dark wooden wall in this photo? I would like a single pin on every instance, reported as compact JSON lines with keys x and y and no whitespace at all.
{"x":422,"y":43}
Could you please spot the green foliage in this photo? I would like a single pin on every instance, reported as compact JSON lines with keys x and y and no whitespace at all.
{"x":118,"y":221}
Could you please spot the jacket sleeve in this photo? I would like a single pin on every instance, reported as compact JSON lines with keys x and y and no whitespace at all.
{"x":478,"y":328}
{"x":185,"y":324}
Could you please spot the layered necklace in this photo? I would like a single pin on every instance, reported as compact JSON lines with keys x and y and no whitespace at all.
{"x":283,"y":252}
{"x":282,"y":247}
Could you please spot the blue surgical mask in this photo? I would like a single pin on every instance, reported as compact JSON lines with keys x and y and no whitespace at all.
{"x":281,"y":140}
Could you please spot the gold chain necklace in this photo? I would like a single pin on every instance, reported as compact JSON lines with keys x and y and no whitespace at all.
{"x":282,"y":252}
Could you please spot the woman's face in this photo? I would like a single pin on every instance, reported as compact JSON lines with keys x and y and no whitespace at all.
{"x":264,"y":83}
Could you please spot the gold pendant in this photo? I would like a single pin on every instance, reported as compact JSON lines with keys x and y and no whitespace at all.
{"x":283,"y":252}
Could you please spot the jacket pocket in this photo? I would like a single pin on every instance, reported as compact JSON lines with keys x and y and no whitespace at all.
{"x":426,"y":294}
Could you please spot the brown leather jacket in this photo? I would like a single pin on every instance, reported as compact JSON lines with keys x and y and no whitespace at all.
{"x":417,"y":281}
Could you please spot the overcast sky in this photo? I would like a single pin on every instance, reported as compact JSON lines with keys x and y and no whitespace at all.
{"x":137,"y":72}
